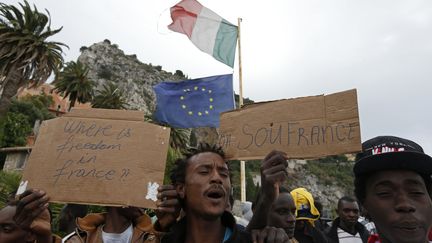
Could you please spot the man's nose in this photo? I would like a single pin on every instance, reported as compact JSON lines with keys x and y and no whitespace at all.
{"x":403,"y":203}
{"x":216,"y":177}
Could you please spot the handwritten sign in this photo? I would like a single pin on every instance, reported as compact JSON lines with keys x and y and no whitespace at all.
{"x":307,"y":127}
{"x":97,"y":156}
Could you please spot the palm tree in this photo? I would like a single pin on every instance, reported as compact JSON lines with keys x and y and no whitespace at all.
{"x":26,"y":57}
{"x":110,"y":97}
{"x":74,"y":83}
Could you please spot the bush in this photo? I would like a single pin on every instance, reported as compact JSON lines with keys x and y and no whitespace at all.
{"x":16,"y":129}
{"x":83,"y":48}
{"x":105,"y":73}
{"x":9,"y":183}
{"x":22,"y":115}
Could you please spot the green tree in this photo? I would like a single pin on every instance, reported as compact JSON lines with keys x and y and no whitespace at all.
{"x":74,"y":83}
{"x":41,"y":101}
{"x":25,"y":53}
{"x":15,"y":130}
{"x":35,"y":107}
{"x":21,"y":117}
{"x":110,"y":97}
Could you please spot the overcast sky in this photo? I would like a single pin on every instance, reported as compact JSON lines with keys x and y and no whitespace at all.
{"x":383,"y":48}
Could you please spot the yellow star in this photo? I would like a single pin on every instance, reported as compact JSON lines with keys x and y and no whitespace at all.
{"x":196,"y":88}
{"x":182,"y":97}
{"x":183,"y":106}
{"x":211,"y":107}
{"x":199,"y":114}
{"x":206,"y":112}
{"x":190,"y":113}
{"x":211,"y":99}
{"x":210,"y":91}
{"x":203,"y":89}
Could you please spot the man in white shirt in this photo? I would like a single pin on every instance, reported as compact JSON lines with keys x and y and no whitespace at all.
{"x":346,"y":228}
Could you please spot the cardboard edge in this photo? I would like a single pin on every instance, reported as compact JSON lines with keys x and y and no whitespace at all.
{"x":248,"y":106}
{"x":106,"y":114}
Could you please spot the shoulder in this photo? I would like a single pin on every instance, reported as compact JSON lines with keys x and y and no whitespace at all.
{"x":144,"y":223}
{"x":91,"y":221}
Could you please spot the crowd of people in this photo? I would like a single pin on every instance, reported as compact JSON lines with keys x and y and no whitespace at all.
{"x":392,"y":204}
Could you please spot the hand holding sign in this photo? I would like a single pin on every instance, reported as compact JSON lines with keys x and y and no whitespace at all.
{"x":32,"y":214}
{"x":168,"y":206}
{"x":273,"y":173}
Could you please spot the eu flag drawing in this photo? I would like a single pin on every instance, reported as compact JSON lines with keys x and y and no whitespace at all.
{"x":195,"y":102}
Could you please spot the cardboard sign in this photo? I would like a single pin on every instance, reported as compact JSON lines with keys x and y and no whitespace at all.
{"x":308,"y":127}
{"x":98,"y":156}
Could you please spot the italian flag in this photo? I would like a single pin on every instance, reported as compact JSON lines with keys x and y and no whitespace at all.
{"x":208,"y":31}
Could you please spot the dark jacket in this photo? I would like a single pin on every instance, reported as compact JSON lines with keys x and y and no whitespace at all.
{"x":310,"y":234}
{"x":333,"y":236}
{"x":178,"y":231}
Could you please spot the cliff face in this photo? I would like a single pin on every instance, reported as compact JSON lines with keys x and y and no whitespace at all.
{"x":107,"y":63}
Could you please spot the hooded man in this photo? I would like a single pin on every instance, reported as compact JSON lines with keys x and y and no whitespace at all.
{"x":307,"y":214}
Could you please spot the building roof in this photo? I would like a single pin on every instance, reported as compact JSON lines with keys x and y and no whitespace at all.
{"x":60,"y":104}
{"x":16,"y":149}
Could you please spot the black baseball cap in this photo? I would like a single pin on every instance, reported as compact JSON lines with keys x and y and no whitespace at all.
{"x":391,"y":153}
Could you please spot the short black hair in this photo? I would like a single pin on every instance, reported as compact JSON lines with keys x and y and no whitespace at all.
{"x":360,"y":185}
{"x":178,"y":172}
{"x":345,"y":199}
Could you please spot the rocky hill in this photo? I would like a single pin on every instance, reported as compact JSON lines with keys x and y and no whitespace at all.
{"x":108,"y":63}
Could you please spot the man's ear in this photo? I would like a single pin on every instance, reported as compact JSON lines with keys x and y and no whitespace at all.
{"x":180,"y":188}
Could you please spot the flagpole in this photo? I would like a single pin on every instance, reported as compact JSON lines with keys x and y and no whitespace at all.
{"x":242,"y":162}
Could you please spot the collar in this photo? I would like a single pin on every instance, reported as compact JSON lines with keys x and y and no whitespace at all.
{"x":92,"y":221}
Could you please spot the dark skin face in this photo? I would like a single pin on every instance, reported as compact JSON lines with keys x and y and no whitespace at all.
{"x":207,"y":185}
{"x":300,"y":225}
{"x":10,"y":232}
{"x":282,"y":214}
{"x":348,"y":214}
{"x":399,"y":205}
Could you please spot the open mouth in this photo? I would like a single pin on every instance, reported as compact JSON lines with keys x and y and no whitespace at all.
{"x":215,"y":193}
